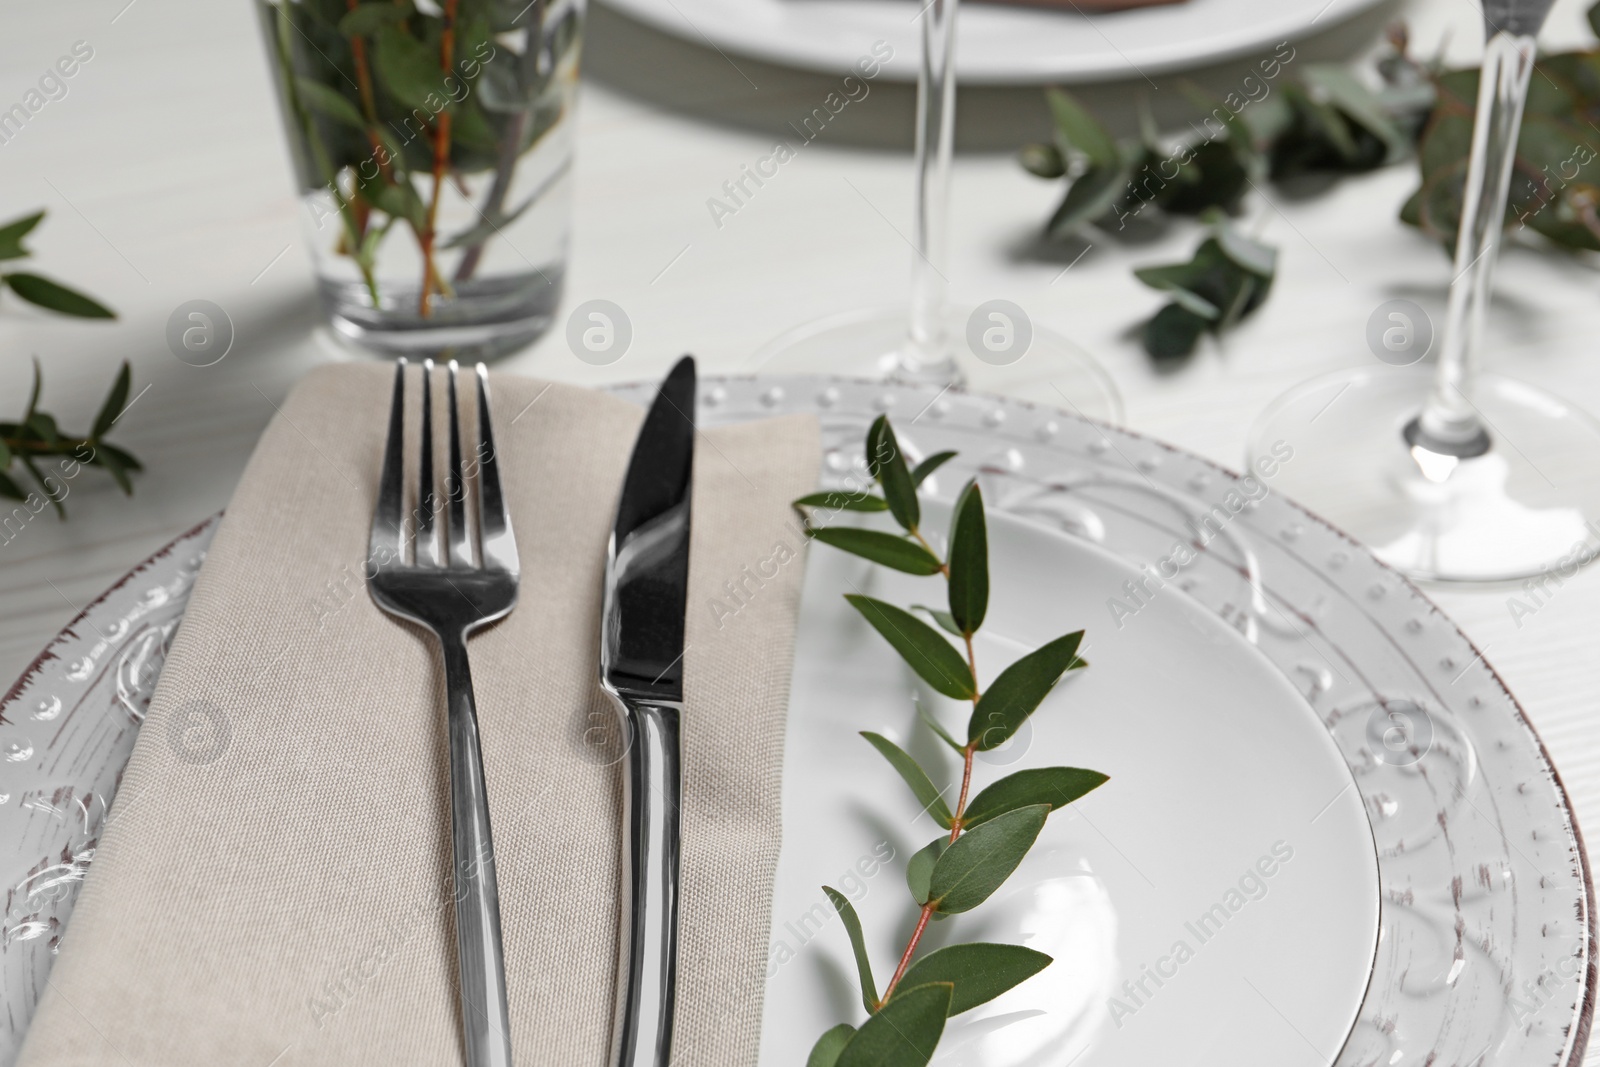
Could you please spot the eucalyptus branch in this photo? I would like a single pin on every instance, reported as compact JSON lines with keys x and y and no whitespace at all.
{"x":987,"y":835}
{"x":1296,"y":123}
{"x":385,"y":95}
{"x":36,"y":289}
{"x":36,"y":436}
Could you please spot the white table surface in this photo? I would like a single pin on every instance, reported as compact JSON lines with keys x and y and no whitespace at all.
{"x":166,"y":179}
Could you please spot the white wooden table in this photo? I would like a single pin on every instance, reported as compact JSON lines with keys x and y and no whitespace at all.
{"x":166,"y":179}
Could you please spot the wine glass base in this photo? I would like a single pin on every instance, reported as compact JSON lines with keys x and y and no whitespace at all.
{"x":867,"y":343}
{"x":1528,"y":506}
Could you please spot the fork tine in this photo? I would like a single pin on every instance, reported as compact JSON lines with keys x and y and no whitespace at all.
{"x":386,"y":544}
{"x":427,"y":495}
{"x":498,"y":545}
{"x":456,"y":483}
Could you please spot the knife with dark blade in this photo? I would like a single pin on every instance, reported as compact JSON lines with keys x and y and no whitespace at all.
{"x":641,"y":667}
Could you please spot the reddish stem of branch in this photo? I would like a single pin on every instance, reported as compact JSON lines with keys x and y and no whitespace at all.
{"x":441,"y":157}
{"x":961,"y":802}
{"x":911,"y":947}
{"x":927,"y":909}
{"x":358,"y":49}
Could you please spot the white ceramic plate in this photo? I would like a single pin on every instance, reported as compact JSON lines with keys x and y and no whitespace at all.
{"x":998,"y":44}
{"x":1484,"y":948}
{"x":1220,"y":771}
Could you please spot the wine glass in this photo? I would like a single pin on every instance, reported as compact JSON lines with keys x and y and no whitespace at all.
{"x":1451,"y":474}
{"x":995,"y":347}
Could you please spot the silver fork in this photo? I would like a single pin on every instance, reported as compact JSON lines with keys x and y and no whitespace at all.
{"x":454,"y":595}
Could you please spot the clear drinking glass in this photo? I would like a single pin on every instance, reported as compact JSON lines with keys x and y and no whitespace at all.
{"x":1449,"y":473}
{"x":994,"y":347}
{"x":432,"y":144}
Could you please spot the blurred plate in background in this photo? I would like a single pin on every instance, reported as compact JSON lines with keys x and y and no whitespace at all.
{"x":999,"y":44}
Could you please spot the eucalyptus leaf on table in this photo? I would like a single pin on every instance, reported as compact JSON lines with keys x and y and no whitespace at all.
{"x":1317,"y":123}
{"x":1227,"y":279}
{"x":37,"y":289}
{"x":985,"y":837}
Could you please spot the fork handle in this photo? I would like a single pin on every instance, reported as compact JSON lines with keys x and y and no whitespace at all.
{"x":652,"y":793}
{"x":485,"y":1019}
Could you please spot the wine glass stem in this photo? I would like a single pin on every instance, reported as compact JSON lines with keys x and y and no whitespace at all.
{"x":1449,"y":421}
{"x":927,"y":352}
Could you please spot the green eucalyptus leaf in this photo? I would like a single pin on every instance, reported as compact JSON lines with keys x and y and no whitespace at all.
{"x":1055,"y":787}
{"x":1247,"y":253}
{"x":927,"y":794}
{"x":33,"y":395}
{"x":42,"y":427}
{"x":904,"y":1032}
{"x":1196,"y":305}
{"x":969,"y":561}
{"x":882,"y":548}
{"x":1267,"y":120}
{"x":55,"y":297}
{"x":10,"y":489}
{"x":982,"y":859}
{"x":492,"y":223}
{"x":369,"y":18}
{"x":1019,"y":689}
{"x":919,"y":870}
{"x":877,"y":449}
{"x":115,"y":401}
{"x":1079,"y":130}
{"x":888,"y":466}
{"x":946,"y":622}
{"x":835,"y":500}
{"x":12,"y":233}
{"x":328,"y":101}
{"x":852,"y":926}
{"x":920,"y":472}
{"x":472,"y":133}
{"x":979,"y":971}
{"x":397,"y":199}
{"x":409,"y":70}
{"x":104,"y":451}
{"x":939,"y":731}
{"x":934,"y":659}
{"x":1043,"y":160}
{"x":1089,"y":199}
{"x":118,"y":471}
{"x":1222,"y":120}
{"x":1411,"y":210}
{"x":44,"y":486}
{"x":1339,"y":87}
{"x":825,"y":1053}
{"x":1208,"y":274}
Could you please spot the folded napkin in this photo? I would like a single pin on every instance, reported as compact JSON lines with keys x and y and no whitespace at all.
{"x":271,"y":886}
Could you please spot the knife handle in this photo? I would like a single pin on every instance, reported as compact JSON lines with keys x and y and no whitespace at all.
{"x":652,"y":793}
{"x":485,"y":1020}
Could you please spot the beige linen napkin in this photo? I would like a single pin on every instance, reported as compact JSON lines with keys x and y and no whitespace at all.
{"x":271,"y":885}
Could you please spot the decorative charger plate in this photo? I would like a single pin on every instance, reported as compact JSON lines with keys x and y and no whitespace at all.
{"x":1484,"y":940}
{"x":999,"y":44}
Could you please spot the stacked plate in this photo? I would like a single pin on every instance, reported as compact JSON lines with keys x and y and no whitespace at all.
{"x":1329,"y":834}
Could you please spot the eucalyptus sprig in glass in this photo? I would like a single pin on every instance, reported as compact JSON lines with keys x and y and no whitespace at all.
{"x":985,"y":836}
